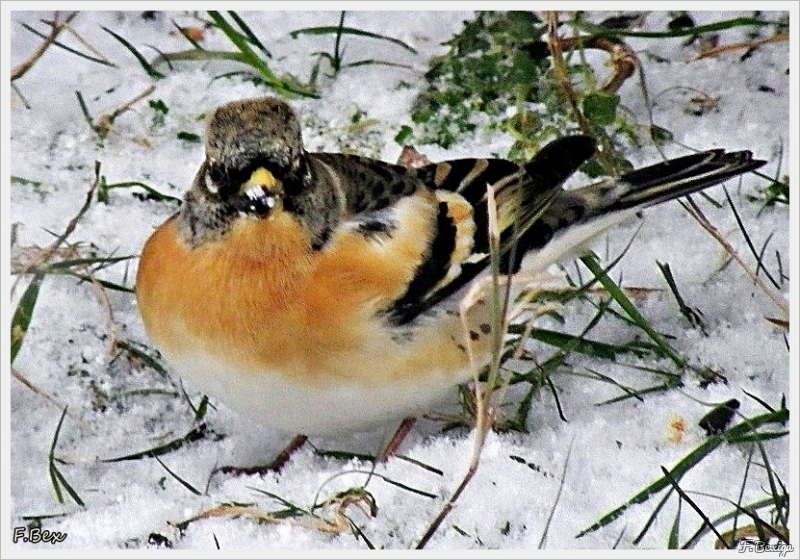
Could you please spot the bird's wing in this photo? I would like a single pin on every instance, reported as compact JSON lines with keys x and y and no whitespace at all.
{"x":444,"y":241}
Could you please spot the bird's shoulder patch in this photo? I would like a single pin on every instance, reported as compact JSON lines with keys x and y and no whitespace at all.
{"x":441,"y":266}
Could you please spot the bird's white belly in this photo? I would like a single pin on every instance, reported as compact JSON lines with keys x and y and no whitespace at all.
{"x":339,"y":407}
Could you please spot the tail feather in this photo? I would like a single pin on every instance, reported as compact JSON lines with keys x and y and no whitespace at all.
{"x":575,"y":217}
{"x":682,"y":176}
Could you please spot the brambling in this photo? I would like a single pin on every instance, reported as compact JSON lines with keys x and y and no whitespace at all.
{"x":318,"y":293}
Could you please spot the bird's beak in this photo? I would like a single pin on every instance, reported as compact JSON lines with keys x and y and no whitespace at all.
{"x":261,"y":178}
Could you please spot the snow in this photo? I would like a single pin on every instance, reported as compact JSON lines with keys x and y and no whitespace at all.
{"x":606,"y":453}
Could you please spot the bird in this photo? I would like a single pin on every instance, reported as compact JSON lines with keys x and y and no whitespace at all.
{"x":319,"y":293}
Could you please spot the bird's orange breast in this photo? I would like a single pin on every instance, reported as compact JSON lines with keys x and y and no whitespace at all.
{"x":236,"y":298}
{"x":261,"y":300}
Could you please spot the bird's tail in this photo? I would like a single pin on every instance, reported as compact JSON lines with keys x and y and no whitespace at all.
{"x":574,"y":217}
{"x":664,"y":181}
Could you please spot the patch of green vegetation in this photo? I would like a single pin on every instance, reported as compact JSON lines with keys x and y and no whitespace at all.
{"x":500,"y":69}
{"x":777,"y":192}
{"x":160,"y":111}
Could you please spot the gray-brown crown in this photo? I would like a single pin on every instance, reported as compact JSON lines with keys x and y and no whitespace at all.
{"x":243,"y":131}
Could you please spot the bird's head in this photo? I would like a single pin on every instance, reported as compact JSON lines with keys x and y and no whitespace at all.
{"x":255,"y":168}
{"x":254,"y":157}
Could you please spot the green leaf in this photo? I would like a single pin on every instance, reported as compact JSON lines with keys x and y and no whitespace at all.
{"x":158,"y":106}
{"x":404,"y":135}
{"x":190,"y":137}
{"x":600,"y":108}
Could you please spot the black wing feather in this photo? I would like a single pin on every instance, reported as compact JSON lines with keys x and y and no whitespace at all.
{"x":434,"y":267}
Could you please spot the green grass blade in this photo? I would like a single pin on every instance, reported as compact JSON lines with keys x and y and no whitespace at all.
{"x":152,"y":72}
{"x":54,"y":481}
{"x":693,"y":316}
{"x":335,"y":29}
{"x":67,"y":486}
{"x":249,"y":33}
{"x":578,"y":344}
{"x":85,"y":110}
{"x":253,"y":60}
{"x":694,"y":506}
{"x":202,"y":409}
{"x":183,"y":483}
{"x":653,"y":517}
{"x":762,"y":525}
{"x":761,"y":436}
{"x":749,"y":241}
{"x":629,"y":308}
{"x":406,"y":487}
{"x":204,"y":55}
{"x":161,"y":58}
{"x":637,"y":393}
{"x":56,"y":478}
{"x":195,"y":434}
{"x":293,"y":508}
{"x":373,"y":62}
{"x":69,"y":263}
{"x":241,"y":43}
{"x":776,"y":494}
{"x":673,"y":542}
{"x":24,"y":313}
{"x":152,"y":193}
{"x":68,"y":49}
{"x":710,"y":28}
{"x":752,"y":507}
{"x":23,"y":181}
{"x":760,"y":401}
{"x":105,"y":283}
{"x":187,"y":36}
{"x":551,"y":514}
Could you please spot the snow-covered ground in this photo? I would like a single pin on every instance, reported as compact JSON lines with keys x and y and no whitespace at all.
{"x":118,"y":406}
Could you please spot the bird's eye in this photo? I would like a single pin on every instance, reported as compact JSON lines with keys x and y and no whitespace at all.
{"x":216,"y":175}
